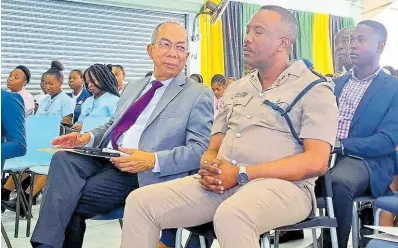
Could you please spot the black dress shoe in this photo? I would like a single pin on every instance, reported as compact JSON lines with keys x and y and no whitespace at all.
{"x":11,"y":205}
{"x":287,"y":236}
{"x":5,"y":194}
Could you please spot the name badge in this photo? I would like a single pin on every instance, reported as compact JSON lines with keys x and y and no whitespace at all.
{"x":240,"y":94}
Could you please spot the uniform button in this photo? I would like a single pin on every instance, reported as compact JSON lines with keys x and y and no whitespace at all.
{"x":233,"y":162}
{"x":248,"y":116}
{"x":261,"y":94}
{"x":238,"y":135}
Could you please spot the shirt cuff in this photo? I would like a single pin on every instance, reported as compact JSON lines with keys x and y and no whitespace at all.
{"x":156,"y":169}
{"x":91,"y":142}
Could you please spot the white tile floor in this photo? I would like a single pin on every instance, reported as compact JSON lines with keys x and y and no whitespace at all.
{"x":99,"y":234}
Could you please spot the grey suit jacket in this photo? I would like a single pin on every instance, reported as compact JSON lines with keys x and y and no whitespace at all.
{"x":178,"y":129}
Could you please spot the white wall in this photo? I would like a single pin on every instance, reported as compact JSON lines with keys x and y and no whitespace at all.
{"x":389,"y":17}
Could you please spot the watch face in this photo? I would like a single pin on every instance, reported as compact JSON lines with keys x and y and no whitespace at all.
{"x":242,"y":178}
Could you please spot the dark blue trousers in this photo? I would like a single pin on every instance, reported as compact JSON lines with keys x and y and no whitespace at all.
{"x":350,"y":179}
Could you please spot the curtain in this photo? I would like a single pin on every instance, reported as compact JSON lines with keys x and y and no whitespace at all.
{"x":304,"y":39}
{"x":233,"y":40}
{"x":248,"y":11}
{"x":211,"y":48}
{"x":322,"y":53}
{"x":347,"y":22}
{"x":335,"y":25}
{"x":295,"y":49}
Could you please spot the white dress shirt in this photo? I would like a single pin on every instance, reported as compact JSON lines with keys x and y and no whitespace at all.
{"x":74,"y":97}
{"x":131,"y":138}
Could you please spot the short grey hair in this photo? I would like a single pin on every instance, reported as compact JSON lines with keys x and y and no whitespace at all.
{"x":156,"y":30}
{"x":288,"y":20}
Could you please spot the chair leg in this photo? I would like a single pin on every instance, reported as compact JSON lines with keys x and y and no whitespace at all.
{"x":355,"y":226}
{"x":202,"y":241}
{"x":15,"y":178}
{"x":314,"y":238}
{"x":179,"y":237}
{"x":29,"y":215}
{"x":121,"y":223}
{"x":276,"y":239}
{"x":5,"y":236}
{"x":377,"y":219}
{"x":333,"y":236}
{"x":265,"y":241}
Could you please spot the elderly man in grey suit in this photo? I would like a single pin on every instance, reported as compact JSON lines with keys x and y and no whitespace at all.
{"x":163,"y":122}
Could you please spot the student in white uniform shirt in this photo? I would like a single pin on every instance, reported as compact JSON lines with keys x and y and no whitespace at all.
{"x":79,"y":93}
{"x":57,"y":102}
{"x":103,"y":85}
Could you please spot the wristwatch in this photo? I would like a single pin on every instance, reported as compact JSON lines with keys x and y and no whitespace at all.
{"x":243,"y":178}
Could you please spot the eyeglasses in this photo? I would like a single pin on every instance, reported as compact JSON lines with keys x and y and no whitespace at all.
{"x":166,"y":45}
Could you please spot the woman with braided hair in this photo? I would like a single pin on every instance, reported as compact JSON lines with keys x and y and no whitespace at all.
{"x":218,"y":85}
{"x":102,"y":84}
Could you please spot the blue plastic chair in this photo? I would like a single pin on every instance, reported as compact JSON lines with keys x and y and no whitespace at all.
{"x":113,"y":215}
{"x":387,"y":203}
{"x":40,"y":131}
{"x":381,"y":244}
{"x":390,"y":204}
{"x":90,"y":123}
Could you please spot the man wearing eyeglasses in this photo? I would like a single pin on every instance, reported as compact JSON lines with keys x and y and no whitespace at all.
{"x":162,"y":122}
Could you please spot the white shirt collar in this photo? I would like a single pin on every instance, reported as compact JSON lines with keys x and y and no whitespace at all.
{"x":77,"y":96}
{"x":368,"y":78}
{"x":165,"y":83}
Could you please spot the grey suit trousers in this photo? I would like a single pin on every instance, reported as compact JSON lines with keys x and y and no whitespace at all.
{"x":81,"y":185}
{"x":240,"y":214}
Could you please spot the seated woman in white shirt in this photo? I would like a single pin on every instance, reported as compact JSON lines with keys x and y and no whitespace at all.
{"x":56,"y":102}
{"x":41,"y":96}
{"x":16,"y":82}
{"x":218,"y":85}
{"x":102,"y":84}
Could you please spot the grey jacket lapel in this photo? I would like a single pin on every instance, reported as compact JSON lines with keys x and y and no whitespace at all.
{"x":171,"y":92}
{"x":132,"y":92}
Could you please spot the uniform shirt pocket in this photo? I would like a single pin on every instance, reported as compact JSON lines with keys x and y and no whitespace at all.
{"x":236,"y":105}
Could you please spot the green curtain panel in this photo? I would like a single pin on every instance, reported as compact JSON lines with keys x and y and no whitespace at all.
{"x":347,"y":22}
{"x":305,"y":21}
{"x":248,"y":11}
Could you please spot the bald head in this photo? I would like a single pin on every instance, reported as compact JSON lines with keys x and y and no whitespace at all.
{"x":288,"y":20}
{"x":164,"y":25}
{"x":344,"y":32}
{"x":341,"y":49}
{"x":270,"y":34}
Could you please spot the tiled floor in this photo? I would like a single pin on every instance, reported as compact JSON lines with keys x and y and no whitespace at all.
{"x":99,"y":234}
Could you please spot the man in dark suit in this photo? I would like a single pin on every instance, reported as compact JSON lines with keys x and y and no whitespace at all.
{"x":367,"y":128}
{"x":13,"y":135}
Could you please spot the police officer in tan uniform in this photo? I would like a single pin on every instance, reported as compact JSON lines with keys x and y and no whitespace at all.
{"x":256,"y":175}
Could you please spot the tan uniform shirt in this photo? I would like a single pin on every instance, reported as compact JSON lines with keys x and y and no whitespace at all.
{"x":255,"y":133}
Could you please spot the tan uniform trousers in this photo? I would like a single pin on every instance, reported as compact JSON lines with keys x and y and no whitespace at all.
{"x":240,"y":214}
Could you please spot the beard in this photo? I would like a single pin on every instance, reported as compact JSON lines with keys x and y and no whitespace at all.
{"x":342,"y":61}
